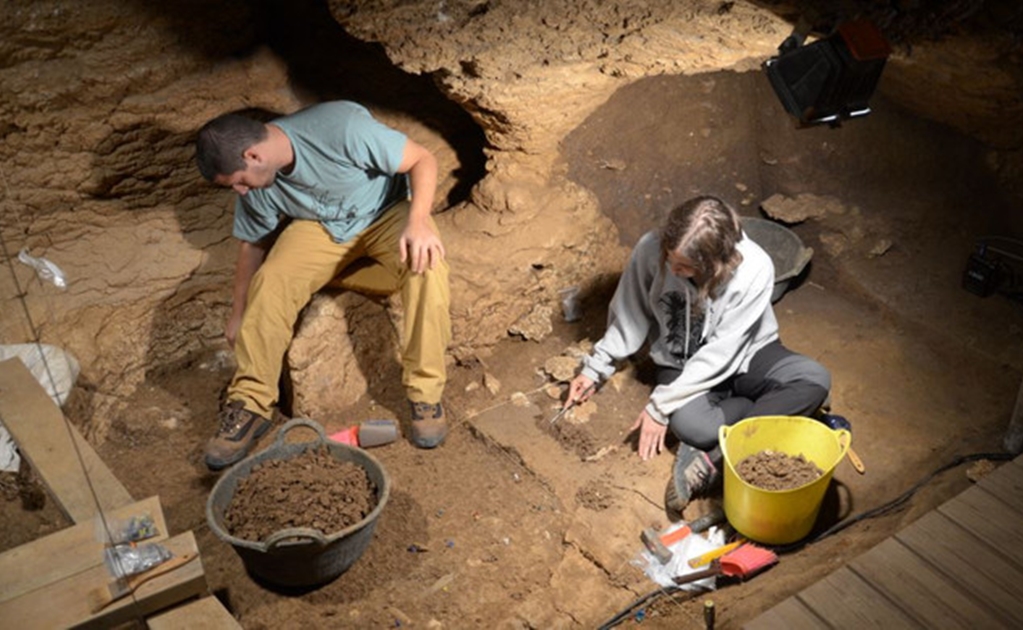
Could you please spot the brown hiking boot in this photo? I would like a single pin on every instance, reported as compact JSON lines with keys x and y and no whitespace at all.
{"x":693,"y":475}
{"x":239,"y":430}
{"x":428,"y":424}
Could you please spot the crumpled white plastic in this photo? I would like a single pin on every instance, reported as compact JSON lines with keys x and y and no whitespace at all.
{"x":691,"y":546}
{"x":45,"y":269}
{"x":10,"y":460}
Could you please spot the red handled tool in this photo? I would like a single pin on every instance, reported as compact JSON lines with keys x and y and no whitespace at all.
{"x":368,"y":433}
{"x":744,"y":562}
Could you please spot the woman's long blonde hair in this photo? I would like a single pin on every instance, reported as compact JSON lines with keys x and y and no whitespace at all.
{"x":705,"y":230}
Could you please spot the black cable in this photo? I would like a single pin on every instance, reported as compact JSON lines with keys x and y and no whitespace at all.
{"x":626,"y":612}
{"x":834,"y":529}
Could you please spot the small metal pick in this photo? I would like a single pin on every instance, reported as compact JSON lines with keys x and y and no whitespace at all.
{"x":575,"y":402}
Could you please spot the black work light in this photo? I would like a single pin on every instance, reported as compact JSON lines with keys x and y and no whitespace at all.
{"x":831,"y":79}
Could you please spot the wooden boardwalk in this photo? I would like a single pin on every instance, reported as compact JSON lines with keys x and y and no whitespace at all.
{"x":959,"y":566}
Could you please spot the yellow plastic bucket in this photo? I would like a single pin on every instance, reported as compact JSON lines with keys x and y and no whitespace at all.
{"x":778,"y":517}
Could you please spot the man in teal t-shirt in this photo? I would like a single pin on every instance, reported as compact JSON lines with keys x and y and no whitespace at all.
{"x":326,"y":195}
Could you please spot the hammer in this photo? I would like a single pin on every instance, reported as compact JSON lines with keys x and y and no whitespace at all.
{"x":657,"y":544}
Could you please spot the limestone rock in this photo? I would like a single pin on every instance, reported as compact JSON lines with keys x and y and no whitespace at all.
{"x":345,"y":346}
{"x":535,"y":325}
{"x":561,"y":368}
{"x":801,"y":207}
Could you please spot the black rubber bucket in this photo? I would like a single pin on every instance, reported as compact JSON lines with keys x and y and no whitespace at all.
{"x":299,"y":557}
{"x":785,"y":248}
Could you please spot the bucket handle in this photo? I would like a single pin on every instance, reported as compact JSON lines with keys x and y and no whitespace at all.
{"x":300,"y":422}
{"x":844,"y":441}
{"x":275,"y":539}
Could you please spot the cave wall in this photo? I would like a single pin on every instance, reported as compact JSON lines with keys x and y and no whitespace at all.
{"x":101,"y":101}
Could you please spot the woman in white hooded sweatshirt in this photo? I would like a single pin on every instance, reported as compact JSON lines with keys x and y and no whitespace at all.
{"x":699,"y":292}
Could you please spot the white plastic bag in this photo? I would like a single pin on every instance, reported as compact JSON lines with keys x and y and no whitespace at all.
{"x":45,"y":269}
{"x":55,"y":369}
{"x":691,"y":546}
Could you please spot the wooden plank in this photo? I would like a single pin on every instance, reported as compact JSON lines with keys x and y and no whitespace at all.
{"x":790,"y":614}
{"x":67,"y":552}
{"x":976,"y":568}
{"x":989,"y":519}
{"x":843,"y":600}
{"x":64,"y":604}
{"x":204,"y":614}
{"x":924,"y":593}
{"x":64,"y":460}
{"x":1006,"y":483}
{"x":959,"y":566}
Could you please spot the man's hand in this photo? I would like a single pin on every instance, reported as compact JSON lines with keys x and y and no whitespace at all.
{"x":420,"y":246}
{"x":233,"y":324}
{"x":250,"y":257}
{"x":651,"y":435}
{"x":579,"y":391}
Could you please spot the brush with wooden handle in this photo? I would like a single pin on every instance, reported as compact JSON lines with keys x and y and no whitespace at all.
{"x":714,"y":554}
{"x":743,"y":562}
{"x":834,"y":421}
{"x":101,"y":597}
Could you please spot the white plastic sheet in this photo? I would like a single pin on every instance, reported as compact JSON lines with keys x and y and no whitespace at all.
{"x":691,"y":546}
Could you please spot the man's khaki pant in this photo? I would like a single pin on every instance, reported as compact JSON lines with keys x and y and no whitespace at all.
{"x":302,"y":261}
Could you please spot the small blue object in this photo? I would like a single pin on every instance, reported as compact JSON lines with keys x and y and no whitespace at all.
{"x":449,"y":543}
{"x":640,"y":616}
{"x":835,"y":422}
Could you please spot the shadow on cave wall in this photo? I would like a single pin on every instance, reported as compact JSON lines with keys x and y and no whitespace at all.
{"x":904,"y":22}
{"x":326,"y":63}
{"x":662,"y":140}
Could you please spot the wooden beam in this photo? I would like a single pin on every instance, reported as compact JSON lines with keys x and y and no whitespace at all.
{"x":922,"y":591}
{"x":65,"y":603}
{"x":204,"y":614}
{"x":67,"y":552}
{"x":790,"y":614}
{"x":69,"y":467}
{"x":844,"y":600}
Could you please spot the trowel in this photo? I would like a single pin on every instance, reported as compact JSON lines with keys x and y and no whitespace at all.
{"x":835,"y":422}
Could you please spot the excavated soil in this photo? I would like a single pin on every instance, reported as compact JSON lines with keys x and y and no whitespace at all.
{"x":772,"y":470}
{"x":313,"y":489}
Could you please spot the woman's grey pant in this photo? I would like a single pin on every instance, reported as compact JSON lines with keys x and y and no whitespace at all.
{"x":779,"y":382}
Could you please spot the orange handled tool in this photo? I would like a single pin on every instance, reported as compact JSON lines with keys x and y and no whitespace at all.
{"x":743,"y":562}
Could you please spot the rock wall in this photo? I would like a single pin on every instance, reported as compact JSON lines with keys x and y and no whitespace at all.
{"x":101,"y":100}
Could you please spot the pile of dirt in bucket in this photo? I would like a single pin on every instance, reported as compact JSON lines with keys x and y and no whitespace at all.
{"x":772,"y":470}
{"x":313,"y":489}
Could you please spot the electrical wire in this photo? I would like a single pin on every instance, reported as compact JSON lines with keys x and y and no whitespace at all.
{"x":880,"y":510}
{"x":626,"y":612}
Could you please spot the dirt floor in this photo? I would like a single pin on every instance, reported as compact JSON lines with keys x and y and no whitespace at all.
{"x":515,"y":523}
